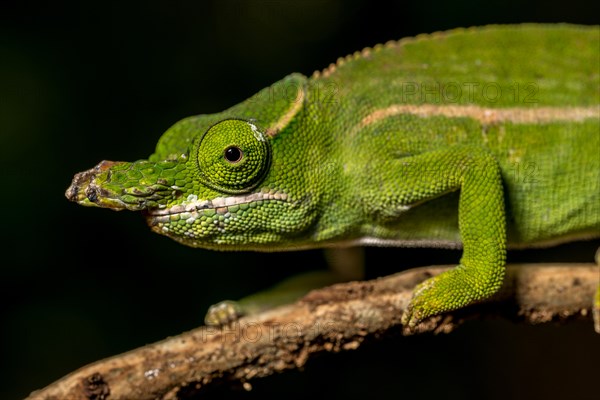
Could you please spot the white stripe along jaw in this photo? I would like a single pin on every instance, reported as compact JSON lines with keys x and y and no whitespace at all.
{"x":192,"y":204}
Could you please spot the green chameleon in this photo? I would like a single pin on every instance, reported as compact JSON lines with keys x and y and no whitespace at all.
{"x":480,"y":139}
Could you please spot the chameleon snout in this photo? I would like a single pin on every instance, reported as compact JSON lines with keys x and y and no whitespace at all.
{"x":135,"y":186}
{"x":85,"y":190}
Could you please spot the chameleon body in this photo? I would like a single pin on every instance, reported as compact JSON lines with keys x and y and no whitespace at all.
{"x":477,"y":138}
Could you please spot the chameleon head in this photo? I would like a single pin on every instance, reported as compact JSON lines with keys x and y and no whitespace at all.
{"x":220,"y":193}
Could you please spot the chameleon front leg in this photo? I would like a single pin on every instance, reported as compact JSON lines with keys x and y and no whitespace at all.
{"x":481,"y":222}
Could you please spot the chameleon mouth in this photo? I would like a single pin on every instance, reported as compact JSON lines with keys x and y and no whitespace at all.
{"x":192,"y":208}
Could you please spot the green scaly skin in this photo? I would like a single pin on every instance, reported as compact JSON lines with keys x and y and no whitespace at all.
{"x":340,"y":158}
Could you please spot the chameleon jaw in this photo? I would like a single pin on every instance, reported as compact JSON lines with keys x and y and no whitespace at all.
{"x":192,"y":208}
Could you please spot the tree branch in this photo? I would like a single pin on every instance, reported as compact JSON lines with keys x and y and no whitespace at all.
{"x":332,"y":319}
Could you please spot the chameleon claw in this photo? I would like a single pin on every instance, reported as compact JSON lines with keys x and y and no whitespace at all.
{"x":410,"y":317}
{"x":416,"y":311}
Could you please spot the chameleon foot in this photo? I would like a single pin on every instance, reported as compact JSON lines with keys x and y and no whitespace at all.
{"x":448,"y":291}
{"x":285,"y":292}
{"x":223,"y":313}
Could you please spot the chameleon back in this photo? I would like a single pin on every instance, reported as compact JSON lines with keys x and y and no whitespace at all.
{"x":530,"y":95}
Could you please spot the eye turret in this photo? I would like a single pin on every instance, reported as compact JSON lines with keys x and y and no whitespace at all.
{"x":233,"y":156}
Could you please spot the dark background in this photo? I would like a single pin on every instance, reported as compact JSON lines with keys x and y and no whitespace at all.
{"x":85,"y":81}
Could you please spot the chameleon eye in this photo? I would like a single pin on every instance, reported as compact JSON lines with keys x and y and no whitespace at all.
{"x":233,"y":156}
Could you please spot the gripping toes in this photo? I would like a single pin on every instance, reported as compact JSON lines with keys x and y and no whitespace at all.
{"x":223,"y":313}
{"x":417,"y":308}
{"x":448,"y":291}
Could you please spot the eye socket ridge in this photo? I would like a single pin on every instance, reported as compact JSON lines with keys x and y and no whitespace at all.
{"x":233,"y":154}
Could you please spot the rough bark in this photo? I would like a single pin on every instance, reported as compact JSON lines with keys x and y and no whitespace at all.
{"x":332,"y":319}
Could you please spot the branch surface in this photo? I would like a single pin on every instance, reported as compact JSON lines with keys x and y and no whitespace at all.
{"x":333,"y":319}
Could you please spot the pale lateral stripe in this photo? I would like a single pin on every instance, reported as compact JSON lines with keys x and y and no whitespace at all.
{"x":487,"y":116}
{"x":287,"y":117}
{"x":193,"y":204}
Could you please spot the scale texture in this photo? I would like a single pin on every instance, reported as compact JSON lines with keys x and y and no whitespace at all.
{"x":477,"y":138}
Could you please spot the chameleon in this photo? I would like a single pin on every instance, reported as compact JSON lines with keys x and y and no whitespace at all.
{"x":482,"y":139}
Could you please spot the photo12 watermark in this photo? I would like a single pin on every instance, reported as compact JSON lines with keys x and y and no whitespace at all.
{"x":455,"y":92}
{"x":407,"y":92}
{"x":253,"y":332}
{"x":315,"y":92}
